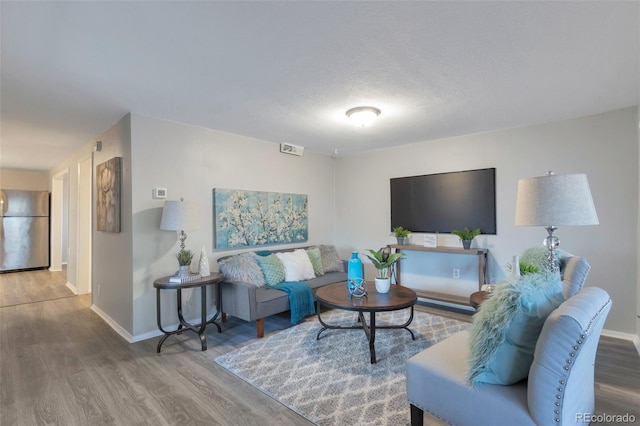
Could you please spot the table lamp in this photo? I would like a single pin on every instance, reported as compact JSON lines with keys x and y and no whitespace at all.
{"x":180,"y":216}
{"x":552,"y":201}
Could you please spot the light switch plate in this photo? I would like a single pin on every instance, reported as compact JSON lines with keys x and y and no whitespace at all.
{"x":159,"y":193}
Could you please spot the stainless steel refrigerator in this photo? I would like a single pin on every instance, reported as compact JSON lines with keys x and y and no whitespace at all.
{"x":24,"y":230}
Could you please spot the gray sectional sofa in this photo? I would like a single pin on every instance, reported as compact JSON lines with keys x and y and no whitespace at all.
{"x":246,"y":297}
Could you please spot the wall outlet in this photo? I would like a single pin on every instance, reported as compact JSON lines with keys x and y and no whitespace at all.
{"x":456,"y":273}
{"x":98,"y":289}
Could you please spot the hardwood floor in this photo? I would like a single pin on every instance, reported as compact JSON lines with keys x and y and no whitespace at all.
{"x":61,"y":364}
{"x":17,"y":288}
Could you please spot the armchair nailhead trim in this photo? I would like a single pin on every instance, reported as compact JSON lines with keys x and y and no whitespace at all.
{"x":567,"y":367}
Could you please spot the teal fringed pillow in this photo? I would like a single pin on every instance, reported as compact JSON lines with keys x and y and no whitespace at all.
{"x":272,"y":268}
{"x":505,"y":331}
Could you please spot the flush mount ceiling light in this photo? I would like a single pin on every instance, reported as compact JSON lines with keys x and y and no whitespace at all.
{"x":363,"y":115}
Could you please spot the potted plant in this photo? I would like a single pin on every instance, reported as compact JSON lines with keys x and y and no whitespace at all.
{"x":401,"y":234}
{"x":383,"y":259}
{"x":184,"y":260}
{"x":466,"y":236}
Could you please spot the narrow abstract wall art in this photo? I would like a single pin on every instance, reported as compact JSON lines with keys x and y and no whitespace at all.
{"x":254,"y":218}
{"x":108,"y":195}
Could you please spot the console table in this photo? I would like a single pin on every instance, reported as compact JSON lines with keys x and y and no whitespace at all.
{"x":480,"y":253}
{"x":203,"y":283}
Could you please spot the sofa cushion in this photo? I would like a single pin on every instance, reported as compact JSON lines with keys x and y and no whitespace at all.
{"x":331,"y":261}
{"x":316,"y":260}
{"x":297,"y":266}
{"x":506,"y":329}
{"x":242,"y":267}
{"x":272,"y":269}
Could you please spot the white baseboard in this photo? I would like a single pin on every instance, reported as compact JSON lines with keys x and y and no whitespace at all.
{"x":624,"y":336}
{"x":138,"y":337}
{"x":156,"y":333}
{"x":148,"y":335}
{"x":72,"y":287}
{"x":121,"y":331}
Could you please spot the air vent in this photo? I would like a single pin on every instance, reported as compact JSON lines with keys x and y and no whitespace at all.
{"x":288,"y":148}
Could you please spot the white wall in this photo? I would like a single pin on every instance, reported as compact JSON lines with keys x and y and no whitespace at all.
{"x":190,"y":161}
{"x":637,"y":340}
{"x":67,"y":166}
{"x":605,"y":147}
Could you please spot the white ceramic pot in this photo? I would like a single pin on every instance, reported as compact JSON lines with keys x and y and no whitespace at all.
{"x":383,"y":284}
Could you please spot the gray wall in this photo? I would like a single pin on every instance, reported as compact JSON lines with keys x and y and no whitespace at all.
{"x":112,"y":269}
{"x":349,"y":200}
{"x":605,"y":147}
{"x":190,"y":161}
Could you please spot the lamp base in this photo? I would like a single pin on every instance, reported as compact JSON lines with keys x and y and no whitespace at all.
{"x":551,"y":243}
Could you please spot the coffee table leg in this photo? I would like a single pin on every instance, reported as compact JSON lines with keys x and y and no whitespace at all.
{"x":372,"y":336}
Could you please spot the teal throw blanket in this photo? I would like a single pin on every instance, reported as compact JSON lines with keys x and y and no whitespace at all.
{"x":300,"y":299}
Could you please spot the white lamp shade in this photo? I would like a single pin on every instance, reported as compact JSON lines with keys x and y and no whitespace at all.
{"x":555,"y":200}
{"x":180,"y":216}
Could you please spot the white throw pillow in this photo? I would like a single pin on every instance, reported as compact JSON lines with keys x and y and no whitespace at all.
{"x":297,"y":266}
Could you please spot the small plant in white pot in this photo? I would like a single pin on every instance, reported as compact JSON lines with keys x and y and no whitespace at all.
{"x":383,"y":260}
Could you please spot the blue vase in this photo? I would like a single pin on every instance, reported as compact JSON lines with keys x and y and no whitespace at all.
{"x":354,"y":270}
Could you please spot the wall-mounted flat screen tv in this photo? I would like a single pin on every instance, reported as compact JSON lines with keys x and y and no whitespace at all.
{"x":445,"y":201}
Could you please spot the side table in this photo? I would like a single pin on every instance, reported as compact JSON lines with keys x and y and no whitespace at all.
{"x":203,"y":283}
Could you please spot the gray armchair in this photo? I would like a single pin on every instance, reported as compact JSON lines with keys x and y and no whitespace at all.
{"x":574,"y":270}
{"x":560,"y":384}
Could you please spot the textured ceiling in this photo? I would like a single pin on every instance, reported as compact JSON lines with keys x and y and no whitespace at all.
{"x":288,"y":71}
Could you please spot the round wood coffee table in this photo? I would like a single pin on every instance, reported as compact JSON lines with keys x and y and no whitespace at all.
{"x":337,"y":296}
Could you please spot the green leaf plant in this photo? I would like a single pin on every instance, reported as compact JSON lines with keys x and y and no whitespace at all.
{"x":400,"y":232}
{"x":383,"y":259}
{"x":467,"y":234}
{"x":184,"y":257}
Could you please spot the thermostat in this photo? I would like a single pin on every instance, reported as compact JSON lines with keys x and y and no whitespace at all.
{"x":159,"y":193}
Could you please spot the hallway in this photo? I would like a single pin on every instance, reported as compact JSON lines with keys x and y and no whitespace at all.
{"x":18,"y":288}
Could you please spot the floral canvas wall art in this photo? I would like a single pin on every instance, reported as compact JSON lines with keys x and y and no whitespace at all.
{"x":254,"y":218}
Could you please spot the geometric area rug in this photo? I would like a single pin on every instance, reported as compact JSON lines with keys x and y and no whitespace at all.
{"x":331,"y":381}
